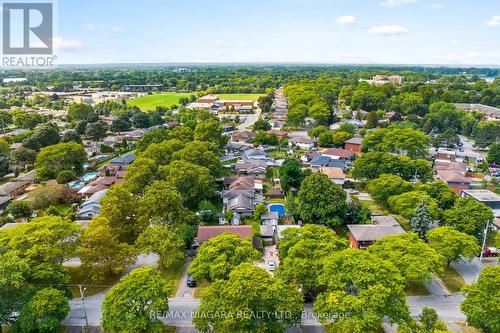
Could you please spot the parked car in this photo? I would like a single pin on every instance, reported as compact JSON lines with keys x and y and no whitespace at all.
{"x":489,"y":252}
{"x":191,"y":283}
{"x":271,"y":265}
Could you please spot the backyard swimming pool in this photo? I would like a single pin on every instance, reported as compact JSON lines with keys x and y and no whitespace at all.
{"x":76,"y":185}
{"x":89,"y":176}
{"x":278,"y":208}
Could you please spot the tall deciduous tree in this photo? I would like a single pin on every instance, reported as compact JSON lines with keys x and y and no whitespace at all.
{"x":415,"y":259}
{"x":302,"y":252}
{"x":132,"y":305}
{"x":482,"y":301}
{"x":321,"y":201}
{"x":251,"y":301}
{"x":218,"y":256}
{"x":361,"y":290}
{"x":469,"y":216}
{"x":100,"y":251}
{"x":119,"y":206}
{"x":163,"y":241}
{"x":193,"y":182}
{"x":44,"y":311}
{"x":64,"y":156}
{"x":385,"y":186}
{"x":291,"y":174}
{"x":452,"y":244}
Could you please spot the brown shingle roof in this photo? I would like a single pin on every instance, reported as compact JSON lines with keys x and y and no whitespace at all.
{"x":342,"y":153}
{"x":207,"y":232}
{"x":333,"y":173}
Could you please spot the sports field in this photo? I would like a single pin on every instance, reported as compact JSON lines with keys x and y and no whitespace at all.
{"x":150,"y":102}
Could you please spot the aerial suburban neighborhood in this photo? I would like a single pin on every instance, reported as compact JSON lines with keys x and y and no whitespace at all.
{"x":247,"y":196}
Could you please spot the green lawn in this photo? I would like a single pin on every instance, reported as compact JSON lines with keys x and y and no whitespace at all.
{"x":174,"y":274}
{"x":78,"y":276}
{"x":63,"y":208}
{"x":239,"y":97}
{"x":416,"y":289}
{"x":452,"y":279}
{"x":150,"y":102}
{"x":201,"y":286}
{"x":374,"y":207}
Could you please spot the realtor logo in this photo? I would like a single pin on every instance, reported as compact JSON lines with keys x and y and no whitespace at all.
{"x":27,"y":28}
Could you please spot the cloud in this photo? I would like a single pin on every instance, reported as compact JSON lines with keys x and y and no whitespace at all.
{"x":455,"y":41}
{"x":90,"y":26}
{"x":346,"y":20}
{"x":394,"y":3}
{"x":495,"y":21}
{"x":116,"y":28}
{"x":436,"y":6}
{"x":469,"y":56}
{"x":389,"y":30}
{"x":61,"y":43}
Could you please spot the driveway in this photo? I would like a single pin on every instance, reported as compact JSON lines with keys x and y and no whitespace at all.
{"x":249,"y":120}
{"x":471,"y":269}
{"x":184,"y":290}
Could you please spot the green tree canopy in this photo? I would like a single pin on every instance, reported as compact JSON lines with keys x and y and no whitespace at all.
{"x":193,"y":182}
{"x":452,"y":244}
{"x":218,"y":256}
{"x":291,"y":174}
{"x":415,"y":259}
{"x":385,"y":186}
{"x":63,"y":156}
{"x":366,"y":287}
{"x":482,"y":301}
{"x":248,"y":292}
{"x":132,"y":304}
{"x":321,"y":201}
{"x":302,"y":252}
{"x":100,"y":251}
{"x":468,"y":216}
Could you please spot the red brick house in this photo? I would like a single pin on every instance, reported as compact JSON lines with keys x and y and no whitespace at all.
{"x":354,"y":145}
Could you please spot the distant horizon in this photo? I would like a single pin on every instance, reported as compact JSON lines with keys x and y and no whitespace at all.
{"x":327,"y":32}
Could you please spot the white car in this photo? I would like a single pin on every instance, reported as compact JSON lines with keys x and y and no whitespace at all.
{"x":271,"y":265}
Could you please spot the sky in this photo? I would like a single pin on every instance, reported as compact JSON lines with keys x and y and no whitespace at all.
{"x":451,"y":32}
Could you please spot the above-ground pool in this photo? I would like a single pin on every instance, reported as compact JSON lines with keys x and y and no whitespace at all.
{"x":89,"y":176}
{"x":278,"y":208}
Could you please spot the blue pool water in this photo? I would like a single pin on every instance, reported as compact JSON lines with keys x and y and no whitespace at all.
{"x":279,"y":208}
{"x":85,"y":165}
{"x":89,"y":176}
{"x":76,"y":185}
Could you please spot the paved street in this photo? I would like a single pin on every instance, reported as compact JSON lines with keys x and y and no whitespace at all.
{"x":249,"y":120}
{"x":447,"y":307}
{"x":471,"y":269}
{"x":184,"y":290}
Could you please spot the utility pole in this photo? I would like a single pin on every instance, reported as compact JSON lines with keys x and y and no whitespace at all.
{"x":485,"y":235}
{"x":82,"y":290}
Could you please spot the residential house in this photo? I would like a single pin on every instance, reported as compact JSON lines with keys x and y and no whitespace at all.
{"x":268,"y":234}
{"x":459,"y":167}
{"x":318,"y":161}
{"x":91,"y":207}
{"x":354,"y":144}
{"x":255,"y":168}
{"x":110,"y":170}
{"x":125,"y":160}
{"x":4,"y":202}
{"x":363,"y":235}
{"x":486,"y":197}
{"x":280,"y":134}
{"x":270,"y":218}
{"x":455,"y":180}
{"x":14,"y":189}
{"x":306,"y":143}
{"x":254,"y":155}
{"x":244,"y":136}
{"x":208,"y":232}
{"x":336,"y":175}
{"x":241,"y":194}
{"x":338,"y":153}
{"x":237,"y":148}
